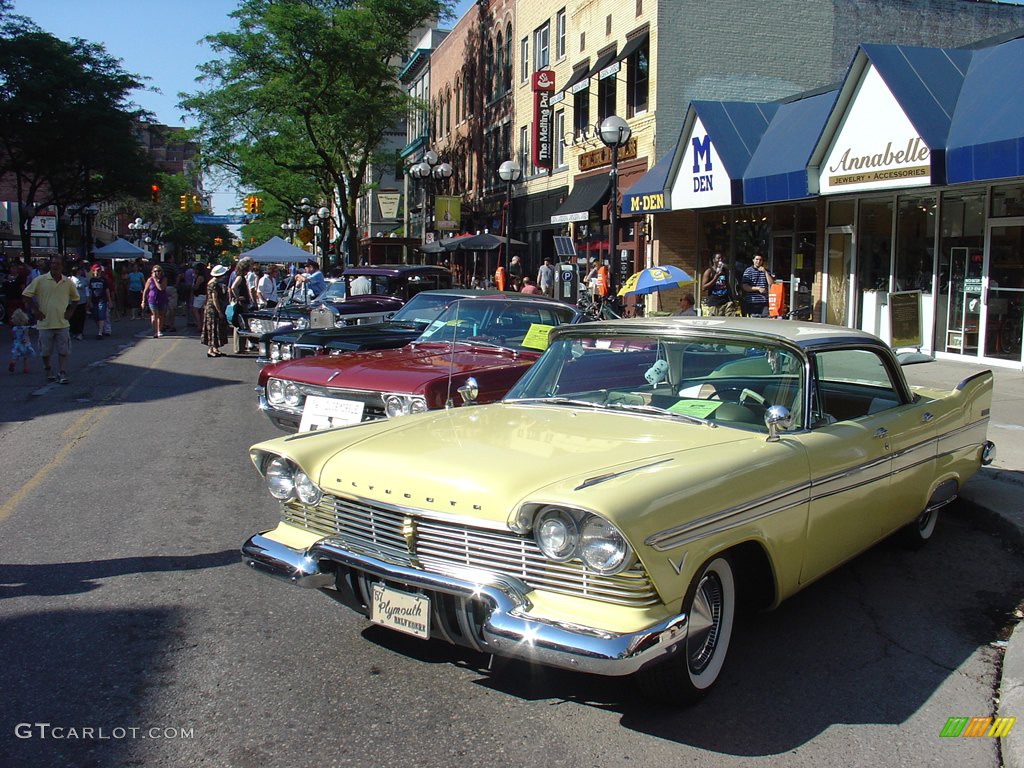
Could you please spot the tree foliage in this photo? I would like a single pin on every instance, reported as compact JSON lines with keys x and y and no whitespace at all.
{"x":303,"y":93}
{"x":69,"y":127}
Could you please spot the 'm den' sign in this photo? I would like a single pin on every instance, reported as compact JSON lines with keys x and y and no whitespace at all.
{"x":701,"y":180}
{"x":543,"y":86}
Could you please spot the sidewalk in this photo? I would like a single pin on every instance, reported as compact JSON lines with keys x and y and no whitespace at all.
{"x":996,"y":496}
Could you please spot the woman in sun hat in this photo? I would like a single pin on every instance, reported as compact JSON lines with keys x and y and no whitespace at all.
{"x":215,"y":325}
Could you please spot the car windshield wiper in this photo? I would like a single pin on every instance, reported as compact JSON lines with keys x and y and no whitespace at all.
{"x":654,"y":409}
{"x":555,"y":400}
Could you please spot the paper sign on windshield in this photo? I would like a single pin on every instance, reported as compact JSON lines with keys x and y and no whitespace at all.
{"x":698,"y":408}
{"x":537,"y":336}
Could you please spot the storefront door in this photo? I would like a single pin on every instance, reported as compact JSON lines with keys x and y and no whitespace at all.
{"x":838,"y":287}
{"x":1003,"y":302}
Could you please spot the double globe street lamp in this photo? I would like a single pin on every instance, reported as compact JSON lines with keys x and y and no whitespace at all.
{"x":427,"y":168}
{"x":510,"y":172}
{"x":614,"y":133}
{"x":319,"y":218}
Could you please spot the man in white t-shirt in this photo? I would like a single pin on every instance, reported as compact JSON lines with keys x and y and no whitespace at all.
{"x":266,"y":288}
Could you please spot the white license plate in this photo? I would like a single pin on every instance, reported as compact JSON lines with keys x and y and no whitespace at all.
{"x":401,"y":610}
{"x":326,"y":412}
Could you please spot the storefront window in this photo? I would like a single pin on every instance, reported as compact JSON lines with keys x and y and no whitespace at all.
{"x":961,"y":244}
{"x":874,"y":240}
{"x":1008,"y":201}
{"x":840,"y":213}
{"x":915,"y":242}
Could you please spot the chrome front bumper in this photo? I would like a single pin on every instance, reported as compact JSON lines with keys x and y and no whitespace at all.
{"x":506,"y":629}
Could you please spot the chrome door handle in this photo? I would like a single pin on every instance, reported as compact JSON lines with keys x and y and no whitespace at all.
{"x":926,"y":417}
{"x":881,"y":432}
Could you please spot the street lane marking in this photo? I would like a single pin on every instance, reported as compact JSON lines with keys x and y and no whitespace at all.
{"x":78,"y":430}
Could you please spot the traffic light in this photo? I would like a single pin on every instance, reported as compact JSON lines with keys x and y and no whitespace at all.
{"x":259,"y":205}
{"x":218,"y":241}
{"x":183,"y":202}
{"x":252,"y":204}
{"x":196,"y":207}
{"x":154,"y":193}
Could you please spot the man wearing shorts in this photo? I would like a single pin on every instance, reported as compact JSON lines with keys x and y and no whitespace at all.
{"x":52,"y":299}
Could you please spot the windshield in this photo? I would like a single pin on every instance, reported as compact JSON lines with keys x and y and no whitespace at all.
{"x":423,"y":307}
{"x":727,"y":382}
{"x":497,"y":322}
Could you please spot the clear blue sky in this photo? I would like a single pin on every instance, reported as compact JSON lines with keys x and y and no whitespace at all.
{"x":156,"y":39}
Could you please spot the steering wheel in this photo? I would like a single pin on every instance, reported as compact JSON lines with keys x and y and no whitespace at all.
{"x":717,"y":394}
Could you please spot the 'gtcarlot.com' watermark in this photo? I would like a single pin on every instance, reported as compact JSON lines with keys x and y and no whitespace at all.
{"x":98,"y":732}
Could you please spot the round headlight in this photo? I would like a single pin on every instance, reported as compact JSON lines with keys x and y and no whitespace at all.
{"x":280,"y":479}
{"x":394,"y":405}
{"x":275,"y":351}
{"x":602,"y":547}
{"x":292,"y":396}
{"x":285,"y":351}
{"x":275,"y":391}
{"x":556,"y":534}
{"x":418,"y":405}
{"x":306,"y":489}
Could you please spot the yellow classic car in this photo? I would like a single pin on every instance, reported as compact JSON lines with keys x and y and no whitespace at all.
{"x":642,"y":480}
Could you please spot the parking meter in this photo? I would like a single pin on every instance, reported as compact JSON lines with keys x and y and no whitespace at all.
{"x":567,"y":283}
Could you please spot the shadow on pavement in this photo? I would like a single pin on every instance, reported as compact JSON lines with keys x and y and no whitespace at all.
{"x":76,"y":578}
{"x":110,"y":662}
{"x":868,"y":644}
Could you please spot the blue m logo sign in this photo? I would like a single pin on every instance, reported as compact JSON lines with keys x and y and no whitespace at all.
{"x":702,"y":149}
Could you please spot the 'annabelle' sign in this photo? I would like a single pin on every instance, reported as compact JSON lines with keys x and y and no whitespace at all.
{"x":543,"y":86}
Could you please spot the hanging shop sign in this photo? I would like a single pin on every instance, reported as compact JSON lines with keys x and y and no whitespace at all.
{"x":447,"y":212}
{"x":388,"y":202}
{"x":876,"y":146}
{"x":701,"y":180}
{"x":542,"y":83}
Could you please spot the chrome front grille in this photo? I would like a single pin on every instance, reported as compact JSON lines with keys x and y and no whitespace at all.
{"x":403,"y":537}
{"x":261,"y":325}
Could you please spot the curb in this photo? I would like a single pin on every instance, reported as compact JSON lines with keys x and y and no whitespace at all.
{"x":994,"y":497}
{"x":1011,"y":698}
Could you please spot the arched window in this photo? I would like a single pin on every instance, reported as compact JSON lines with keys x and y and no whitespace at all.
{"x":508,"y":57}
{"x":458,"y":100}
{"x":499,"y":66}
{"x":489,"y":74}
{"x":447,"y":112}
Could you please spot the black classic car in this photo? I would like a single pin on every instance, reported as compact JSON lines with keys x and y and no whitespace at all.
{"x":362,"y":295}
{"x":405,"y":326}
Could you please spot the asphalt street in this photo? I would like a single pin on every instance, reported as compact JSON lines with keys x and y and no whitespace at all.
{"x":123,"y":605}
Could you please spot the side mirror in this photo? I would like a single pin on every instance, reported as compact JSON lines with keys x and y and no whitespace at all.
{"x":469,"y":391}
{"x":775,"y":418}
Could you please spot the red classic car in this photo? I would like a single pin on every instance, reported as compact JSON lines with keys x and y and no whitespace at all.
{"x":477,"y":349}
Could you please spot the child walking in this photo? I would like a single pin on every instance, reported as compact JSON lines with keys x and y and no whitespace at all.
{"x":21,"y":345}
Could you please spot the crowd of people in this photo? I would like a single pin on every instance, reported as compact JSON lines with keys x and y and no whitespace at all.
{"x":49,"y":303}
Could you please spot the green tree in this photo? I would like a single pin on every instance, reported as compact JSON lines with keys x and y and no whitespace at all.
{"x":68,"y":137}
{"x":304,"y":92}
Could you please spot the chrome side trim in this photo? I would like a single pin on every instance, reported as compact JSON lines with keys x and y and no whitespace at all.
{"x":598,"y":479}
{"x":663,"y":540}
{"x":506,"y":628}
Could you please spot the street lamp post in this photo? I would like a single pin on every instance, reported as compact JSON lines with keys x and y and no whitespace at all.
{"x":615,"y":133}
{"x":289,"y":228}
{"x":510,"y":173}
{"x":320,"y":219}
{"x":143,"y":233}
{"x":423,"y":171}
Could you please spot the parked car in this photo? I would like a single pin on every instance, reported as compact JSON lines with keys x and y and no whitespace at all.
{"x":640,"y":482}
{"x":390,"y":286}
{"x":481,"y":345}
{"x":405,"y":326}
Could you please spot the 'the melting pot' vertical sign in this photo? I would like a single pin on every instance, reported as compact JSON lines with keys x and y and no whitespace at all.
{"x":543,"y":86}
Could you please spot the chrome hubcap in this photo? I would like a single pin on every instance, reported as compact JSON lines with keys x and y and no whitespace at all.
{"x":705,"y":622}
